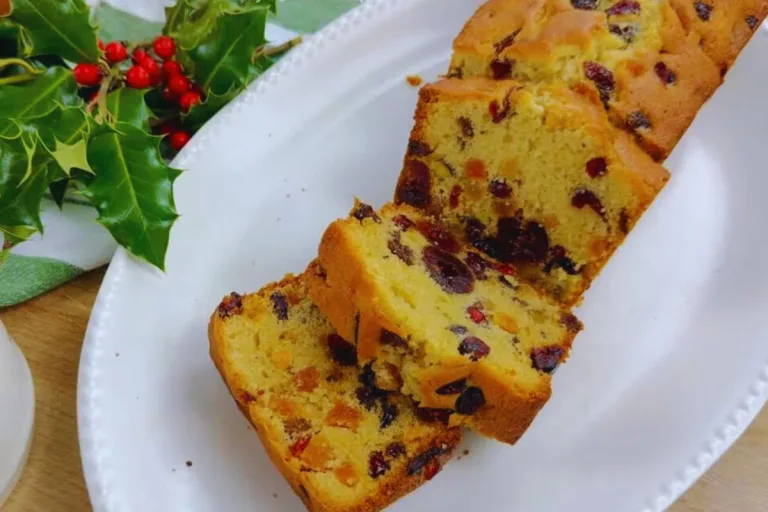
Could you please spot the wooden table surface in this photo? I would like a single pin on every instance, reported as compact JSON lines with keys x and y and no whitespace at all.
{"x":50,"y":331}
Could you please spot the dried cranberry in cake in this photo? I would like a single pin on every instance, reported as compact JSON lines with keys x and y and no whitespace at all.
{"x":477,"y":264}
{"x":299,"y":446}
{"x":528,"y":243}
{"x":570,"y":322}
{"x":475,"y":314}
{"x":506,"y":42}
{"x":584,"y":198}
{"x":546,"y":359}
{"x":470,"y":401}
{"x":455,"y":196}
{"x":586,"y":5}
{"x":431,"y":469}
{"x":624,"y":222}
{"x":388,"y":414}
{"x":474,"y":230}
{"x":397,"y":248}
{"x":500,"y":188}
{"x":454,"y":388}
{"x":420,"y":461}
{"x":448,"y":271}
{"x":438,"y":236}
{"x":558,"y":259}
{"x":597,"y":167}
{"x":279,"y":305}
{"x":366,"y":211}
{"x":418,"y":148}
{"x":377,"y":464}
{"x":638,"y":120}
{"x":458,"y":329}
{"x":474,"y":347}
{"x":342,"y":351}
{"x":626,"y":32}
{"x":501,"y":68}
{"x":415,"y":184}
{"x":467,"y":128}
{"x":389,"y":338}
{"x":395,"y":450}
{"x":752,"y":22}
{"x":403,"y":222}
{"x":666,"y":75}
{"x":232,"y":304}
{"x":430,"y":415}
{"x":506,"y":269}
{"x":623,"y":7}
{"x":500,"y":112}
{"x":703,"y":10}
{"x":602,"y":77}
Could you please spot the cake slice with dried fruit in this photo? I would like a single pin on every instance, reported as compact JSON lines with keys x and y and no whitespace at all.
{"x":343,"y":444}
{"x":433,"y":318}
{"x":633,"y":56}
{"x":534,"y":174}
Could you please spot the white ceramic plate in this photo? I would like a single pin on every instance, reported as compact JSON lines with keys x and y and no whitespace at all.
{"x":671,"y":369}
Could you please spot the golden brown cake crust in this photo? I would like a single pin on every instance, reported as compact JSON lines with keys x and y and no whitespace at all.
{"x":654,"y":86}
{"x":242,"y":390}
{"x":343,"y":287}
{"x":722,"y":28}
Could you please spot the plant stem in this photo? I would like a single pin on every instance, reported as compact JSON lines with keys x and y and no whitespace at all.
{"x":13,"y":61}
{"x":16,"y":79}
{"x":269,"y":51}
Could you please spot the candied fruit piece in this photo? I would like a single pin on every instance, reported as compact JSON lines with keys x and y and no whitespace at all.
{"x":448,"y":271}
{"x":470,"y":401}
{"x":474,"y":347}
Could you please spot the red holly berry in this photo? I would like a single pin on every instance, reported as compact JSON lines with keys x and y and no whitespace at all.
{"x":166,"y":128}
{"x":152,"y":67}
{"x":188,"y":100}
{"x":170,"y":68}
{"x":137,"y":77}
{"x":179,"y":139}
{"x":164,"y":47}
{"x":169,"y":96}
{"x":178,"y":84}
{"x":139,"y":54}
{"x":87,"y":74}
{"x":115,"y":52}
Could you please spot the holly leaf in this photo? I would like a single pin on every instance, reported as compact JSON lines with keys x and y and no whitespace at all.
{"x":13,"y":42}
{"x":133,"y":190}
{"x":117,"y":25}
{"x":128,"y":106}
{"x":58,"y":189}
{"x":64,"y":132}
{"x":308,"y":16}
{"x":190,"y":22}
{"x":24,"y":178}
{"x":224,"y":59}
{"x":201,"y":113}
{"x":36,"y":98}
{"x":58,"y":27}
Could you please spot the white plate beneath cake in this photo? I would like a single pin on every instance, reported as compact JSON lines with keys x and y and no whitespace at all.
{"x":671,"y":369}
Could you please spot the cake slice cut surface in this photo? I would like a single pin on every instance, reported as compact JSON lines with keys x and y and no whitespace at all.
{"x":534,"y":175}
{"x":462,"y":336}
{"x":342,"y":444}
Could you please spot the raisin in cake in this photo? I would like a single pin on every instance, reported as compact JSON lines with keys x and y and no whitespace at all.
{"x":341,"y":443}
{"x":534,"y":174}
{"x":721,"y":27}
{"x":632,"y":55}
{"x":462,"y":336}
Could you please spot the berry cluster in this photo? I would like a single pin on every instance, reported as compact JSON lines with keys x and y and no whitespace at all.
{"x":144,"y":71}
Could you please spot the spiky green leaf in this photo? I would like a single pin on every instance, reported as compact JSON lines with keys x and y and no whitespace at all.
{"x":133,"y":190}
{"x":58,"y":27}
